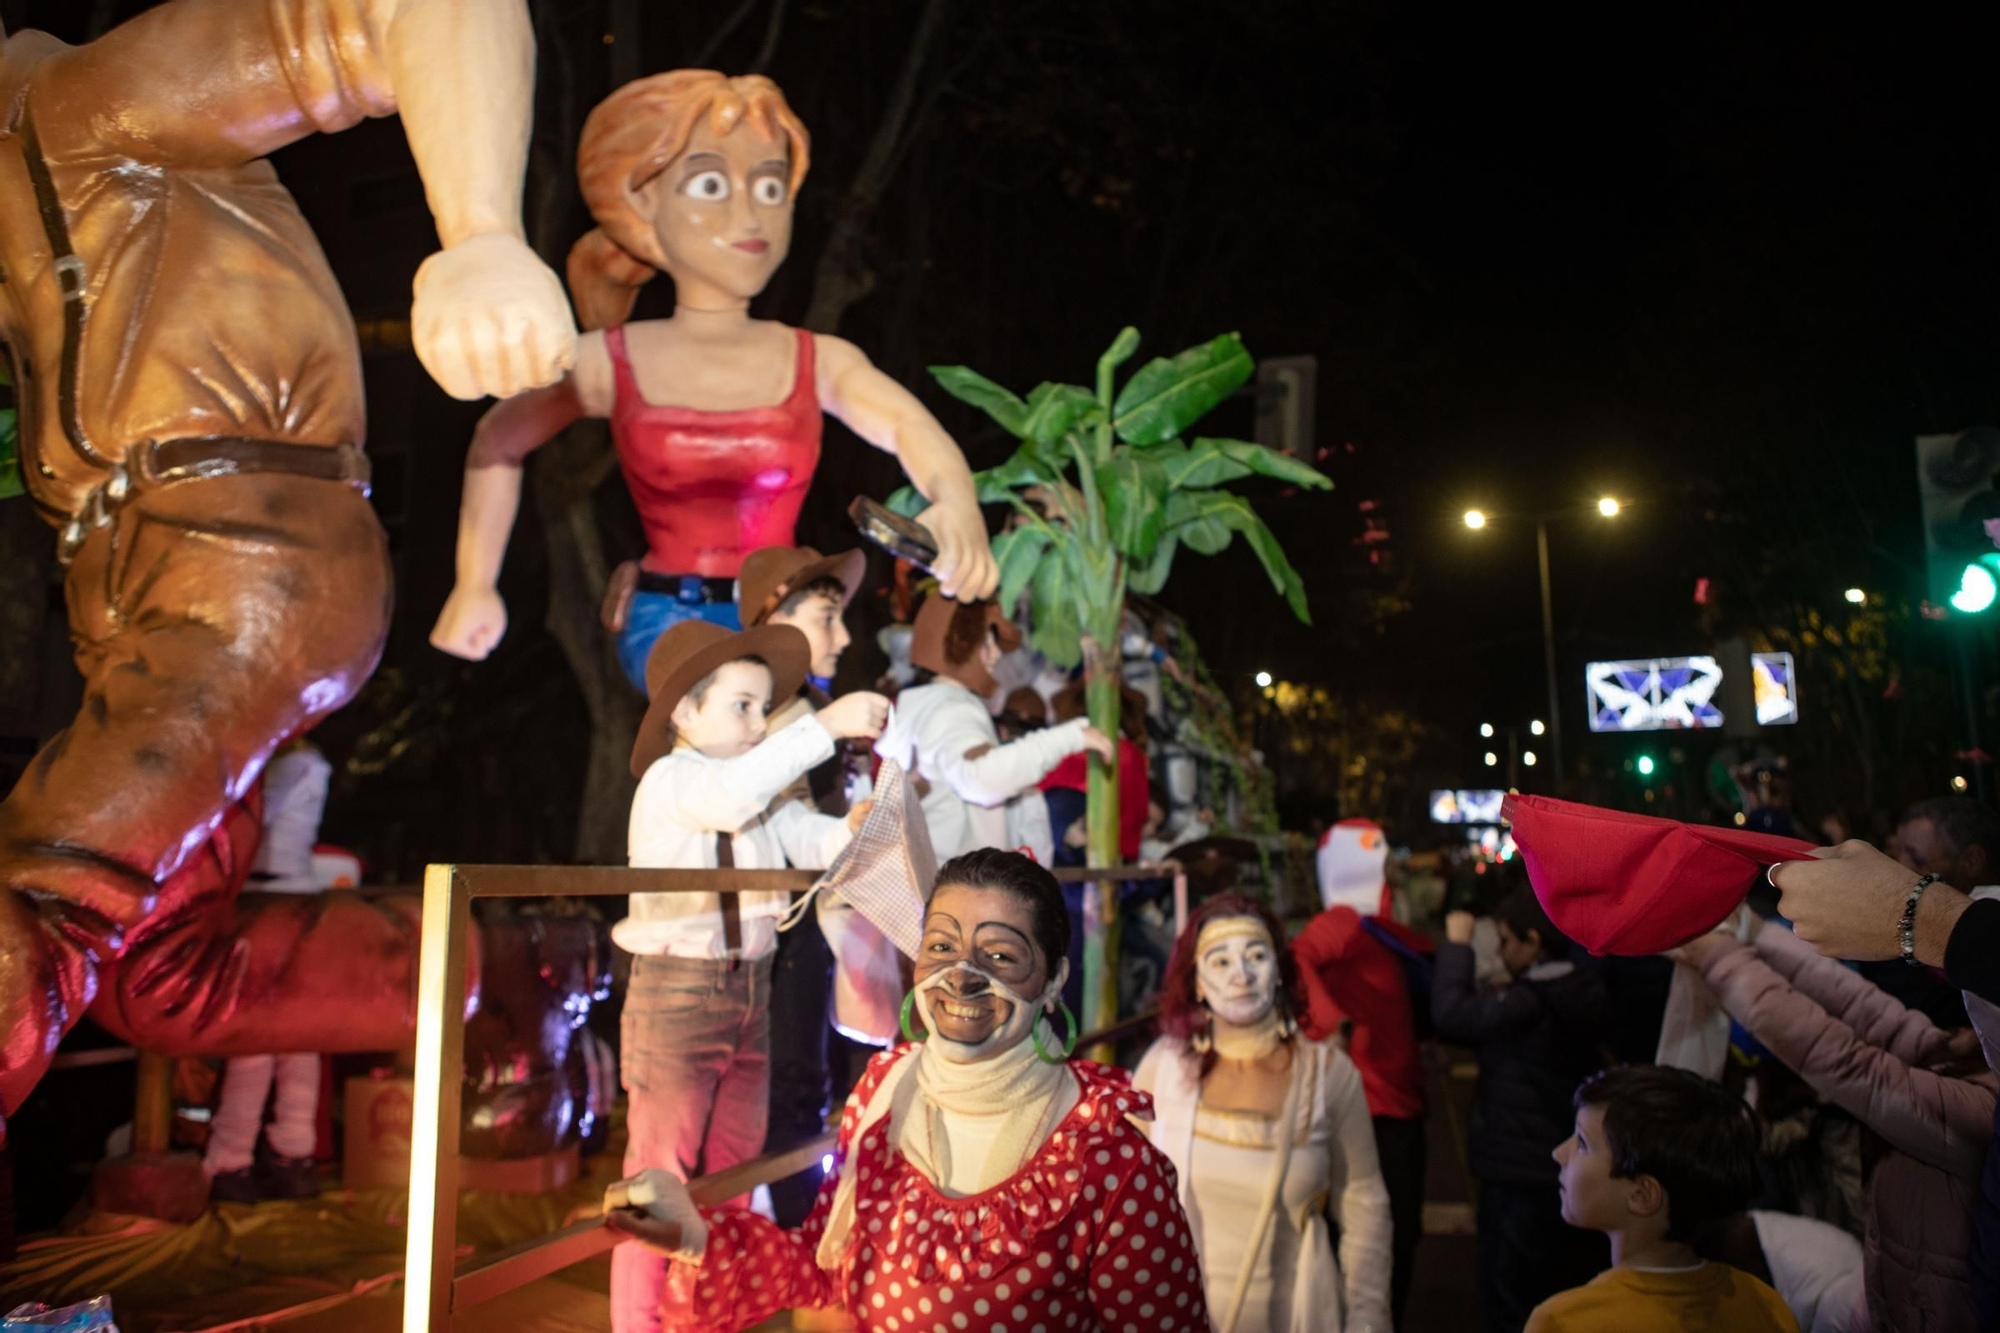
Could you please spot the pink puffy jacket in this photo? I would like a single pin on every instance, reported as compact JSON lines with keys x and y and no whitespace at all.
{"x":1862,"y":1050}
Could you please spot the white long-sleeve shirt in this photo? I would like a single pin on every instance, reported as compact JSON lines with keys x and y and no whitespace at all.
{"x":684,"y":800}
{"x":942,"y":734}
{"x":295,"y":784}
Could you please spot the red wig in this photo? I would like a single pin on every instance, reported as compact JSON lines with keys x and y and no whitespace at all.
{"x":1181,"y":1014}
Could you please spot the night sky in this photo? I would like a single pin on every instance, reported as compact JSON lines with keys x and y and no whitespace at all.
{"x":1664,"y":262}
{"x":1649,"y":253}
{"x":1721,"y":264}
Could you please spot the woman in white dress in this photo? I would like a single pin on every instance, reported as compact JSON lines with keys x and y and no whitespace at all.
{"x":1266,"y":1131}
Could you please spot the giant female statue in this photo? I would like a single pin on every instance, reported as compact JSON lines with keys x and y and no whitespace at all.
{"x":716,"y":416}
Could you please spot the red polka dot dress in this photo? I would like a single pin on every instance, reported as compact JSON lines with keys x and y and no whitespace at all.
{"x":1088,"y":1235}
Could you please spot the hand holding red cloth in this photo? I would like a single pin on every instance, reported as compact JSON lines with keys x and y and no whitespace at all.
{"x":1631,"y":884}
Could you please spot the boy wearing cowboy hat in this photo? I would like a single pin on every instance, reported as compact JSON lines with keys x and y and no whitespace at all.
{"x":696,"y":1027}
{"x":943,"y":733}
{"x":799,"y":587}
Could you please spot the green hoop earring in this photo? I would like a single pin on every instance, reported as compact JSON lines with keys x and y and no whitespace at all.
{"x":909,"y":1033}
{"x":1069,"y":1046}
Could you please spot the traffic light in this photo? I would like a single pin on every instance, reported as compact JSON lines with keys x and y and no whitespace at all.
{"x":1955,"y":478}
{"x":1645,"y":766}
{"x":1978,"y":585}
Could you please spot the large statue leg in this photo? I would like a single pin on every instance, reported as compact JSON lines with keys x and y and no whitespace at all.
{"x":212,"y":620}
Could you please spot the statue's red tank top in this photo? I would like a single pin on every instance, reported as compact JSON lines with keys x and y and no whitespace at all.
{"x":714,"y":486}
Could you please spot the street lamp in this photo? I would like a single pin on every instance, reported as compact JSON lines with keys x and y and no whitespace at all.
{"x":1857,"y":596}
{"x":1492,"y":759}
{"x":1528,"y":758}
{"x":1263,"y":680}
{"x":1536,"y":728}
{"x":1607,"y":507}
{"x":1486,"y":730}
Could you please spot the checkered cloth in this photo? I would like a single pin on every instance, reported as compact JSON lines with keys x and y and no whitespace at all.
{"x":887,"y":870}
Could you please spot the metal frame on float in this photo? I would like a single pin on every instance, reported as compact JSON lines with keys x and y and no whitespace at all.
{"x":434,"y":1286}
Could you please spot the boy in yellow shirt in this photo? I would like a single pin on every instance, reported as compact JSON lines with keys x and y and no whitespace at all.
{"x":1657,"y":1155}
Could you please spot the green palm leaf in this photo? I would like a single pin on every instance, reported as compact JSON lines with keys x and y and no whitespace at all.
{"x":969,"y":386}
{"x":1269,"y":463}
{"x":1169,"y":394}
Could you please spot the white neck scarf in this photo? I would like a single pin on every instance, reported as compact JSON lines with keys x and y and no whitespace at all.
{"x":948,"y":1081}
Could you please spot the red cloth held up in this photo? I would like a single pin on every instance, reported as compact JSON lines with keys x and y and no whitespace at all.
{"x":1632,"y":884}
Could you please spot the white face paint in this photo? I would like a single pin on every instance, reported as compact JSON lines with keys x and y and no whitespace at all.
{"x":1236,"y":970}
{"x":966,"y":999}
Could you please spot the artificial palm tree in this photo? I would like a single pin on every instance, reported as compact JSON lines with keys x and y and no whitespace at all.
{"x":1105,"y":490}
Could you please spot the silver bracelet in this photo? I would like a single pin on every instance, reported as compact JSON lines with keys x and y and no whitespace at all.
{"x":1907,"y":930}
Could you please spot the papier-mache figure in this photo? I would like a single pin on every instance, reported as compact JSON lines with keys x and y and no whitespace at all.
{"x":943,"y":736}
{"x":191,"y":420}
{"x":799,"y":587}
{"x":1352,"y":861}
{"x":696,"y":1036}
{"x":716,"y":416}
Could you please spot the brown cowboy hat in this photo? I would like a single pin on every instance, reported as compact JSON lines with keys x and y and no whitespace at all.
{"x":771,"y":575}
{"x":692,"y":650}
{"x":1027,"y":705}
{"x":947,"y":635}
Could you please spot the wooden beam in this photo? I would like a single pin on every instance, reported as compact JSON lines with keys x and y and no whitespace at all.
{"x":431,"y":1252}
{"x":516,"y":1266}
{"x":153,"y":1105}
{"x":611,"y":881}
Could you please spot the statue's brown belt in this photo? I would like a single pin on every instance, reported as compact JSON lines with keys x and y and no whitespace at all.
{"x":155,"y":463}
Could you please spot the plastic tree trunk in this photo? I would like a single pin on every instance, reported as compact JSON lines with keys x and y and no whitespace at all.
{"x":1100,"y":949}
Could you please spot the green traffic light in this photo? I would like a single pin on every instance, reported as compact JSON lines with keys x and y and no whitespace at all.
{"x":1645,"y":766}
{"x":1977,"y":587}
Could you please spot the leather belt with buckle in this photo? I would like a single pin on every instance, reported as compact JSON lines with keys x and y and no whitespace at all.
{"x":155,"y":463}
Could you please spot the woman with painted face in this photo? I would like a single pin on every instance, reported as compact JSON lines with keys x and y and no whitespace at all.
{"x":1266,"y":1131}
{"x":983,"y":1179}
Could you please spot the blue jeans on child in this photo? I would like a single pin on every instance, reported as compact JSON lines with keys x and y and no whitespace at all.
{"x":653,"y":612}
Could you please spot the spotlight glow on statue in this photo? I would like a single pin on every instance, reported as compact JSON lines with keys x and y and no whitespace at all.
{"x":716,"y":415}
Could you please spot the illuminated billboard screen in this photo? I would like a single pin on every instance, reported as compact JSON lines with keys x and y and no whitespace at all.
{"x":1656,"y":694}
{"x":1678,"y":693}
{"x":1777,"y":689}
{"x":1466,"y":807}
